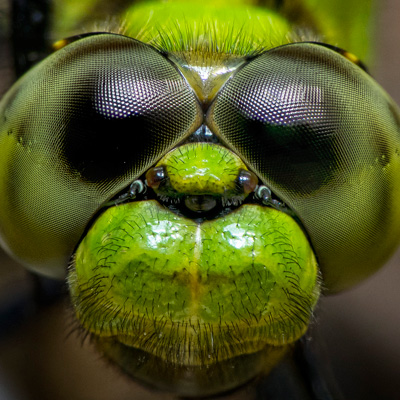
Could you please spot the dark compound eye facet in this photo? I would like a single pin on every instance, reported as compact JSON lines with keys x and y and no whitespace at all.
{"x":123,"y":104}
{"x":80,"y":127}
{"x":323,"y":135}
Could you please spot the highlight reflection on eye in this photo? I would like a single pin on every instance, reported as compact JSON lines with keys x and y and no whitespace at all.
{"x":313,"y":125}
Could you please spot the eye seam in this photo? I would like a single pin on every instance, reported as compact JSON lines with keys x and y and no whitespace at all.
{"x":346,"y":54}
{"x":59,"y":44}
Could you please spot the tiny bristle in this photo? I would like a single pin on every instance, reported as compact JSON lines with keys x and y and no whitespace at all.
{"x":206,"y":37}
{"x":301,"y":34}
{"x":111,"y":25}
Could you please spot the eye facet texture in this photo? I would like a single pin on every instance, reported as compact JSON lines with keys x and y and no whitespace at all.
{"x":324,"y":136}
{"x":76,"y":130}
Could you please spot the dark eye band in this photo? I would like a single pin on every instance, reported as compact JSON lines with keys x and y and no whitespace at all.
{"x":324,"y":136}
{"x":82,"y":125}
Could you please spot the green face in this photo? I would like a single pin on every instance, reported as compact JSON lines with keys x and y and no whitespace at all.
{"x":265,"y":166}
{"x":191,"y":292}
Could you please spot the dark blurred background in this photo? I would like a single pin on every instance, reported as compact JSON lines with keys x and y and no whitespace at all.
{"x":359,"y":329}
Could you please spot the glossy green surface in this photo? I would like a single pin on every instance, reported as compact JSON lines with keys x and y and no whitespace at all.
{"x":201,"y":168}
{"x":161,"y":283}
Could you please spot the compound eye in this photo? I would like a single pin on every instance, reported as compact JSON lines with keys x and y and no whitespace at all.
{"x":323,"y":135}
{"x":124,"y":105}
{"x":77,"y":129}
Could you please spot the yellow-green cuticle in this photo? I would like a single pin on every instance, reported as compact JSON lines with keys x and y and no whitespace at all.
{"x":195,"y":293}
{"x":201,"y":169}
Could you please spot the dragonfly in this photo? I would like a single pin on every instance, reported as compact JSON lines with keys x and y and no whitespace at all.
{"x":138,"y":313}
